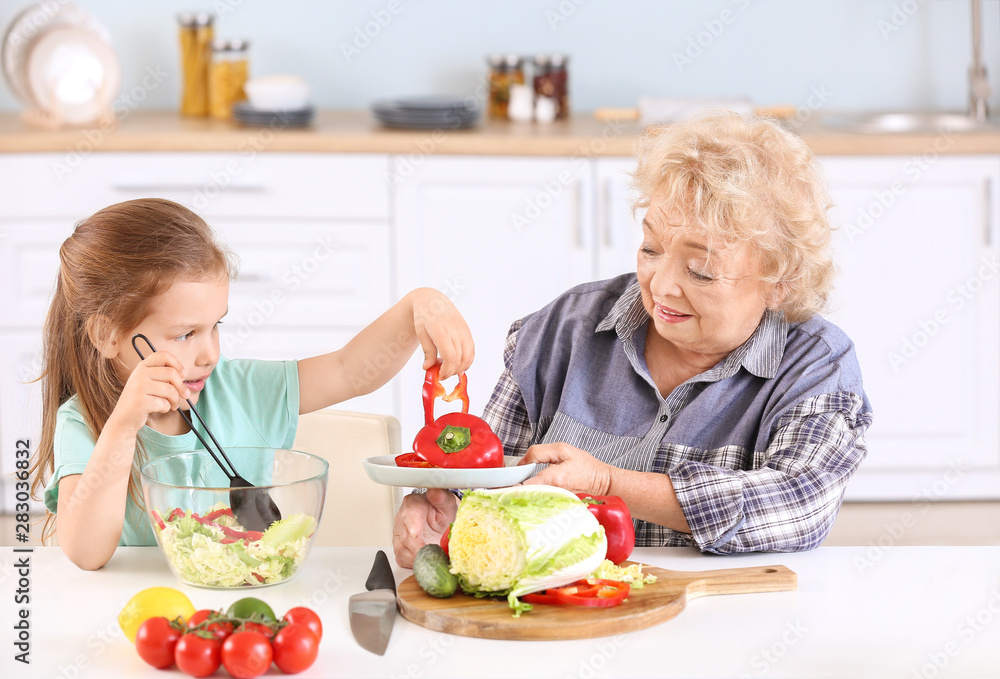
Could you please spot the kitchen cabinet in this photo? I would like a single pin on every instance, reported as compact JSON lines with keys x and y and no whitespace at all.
{"x":328,"y":241}
{"x":311,"y":232}
{"x":918,"y":292}
{"x":502,"y":237}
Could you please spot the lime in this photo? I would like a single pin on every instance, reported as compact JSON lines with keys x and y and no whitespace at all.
{"x":153,"y":603}
{"x":251,"y":608}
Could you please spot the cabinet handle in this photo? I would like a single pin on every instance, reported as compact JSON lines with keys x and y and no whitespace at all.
{"x":988,"y":211}
{"x":575,"y":198}
{"x":606,"y":201}
{"x":154,"y":187}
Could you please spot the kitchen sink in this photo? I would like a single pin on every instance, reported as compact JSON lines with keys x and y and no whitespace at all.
{"x":910,"y":122}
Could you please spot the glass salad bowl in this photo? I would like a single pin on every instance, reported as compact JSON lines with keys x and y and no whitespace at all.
{"x":187,"y":499}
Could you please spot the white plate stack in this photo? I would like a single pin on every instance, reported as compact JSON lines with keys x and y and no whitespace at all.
{"x":60,"y":62}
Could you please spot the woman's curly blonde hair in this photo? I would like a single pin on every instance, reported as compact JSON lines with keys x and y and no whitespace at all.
{"x":747,"y":182}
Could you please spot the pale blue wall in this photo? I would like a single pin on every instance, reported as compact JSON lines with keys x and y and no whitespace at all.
{"x":775,"y":51}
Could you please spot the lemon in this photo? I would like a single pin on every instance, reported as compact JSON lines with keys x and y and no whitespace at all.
{"x":152,"y":603}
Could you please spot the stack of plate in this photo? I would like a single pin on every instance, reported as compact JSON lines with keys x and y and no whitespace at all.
{"x":59,"y":61}
{"x":244,"y":112}
{"x":427,"y":113}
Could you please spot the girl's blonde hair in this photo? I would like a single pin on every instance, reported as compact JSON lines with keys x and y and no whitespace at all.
{"x":111,"y":267}
{"x":751,"y":183}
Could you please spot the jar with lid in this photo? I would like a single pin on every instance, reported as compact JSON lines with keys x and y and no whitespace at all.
{"x":196,"y":33}
{"x":505,"y":71}
{"x":228,"y":74}
{"x":551,"y":80}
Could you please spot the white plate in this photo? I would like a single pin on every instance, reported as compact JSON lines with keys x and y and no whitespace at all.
{"x":74,"y":74}
{"x":382,"y":469}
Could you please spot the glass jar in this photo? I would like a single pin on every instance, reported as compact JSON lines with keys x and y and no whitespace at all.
{"x":504,"y":72}
{"x":551,"y":80}
{"x":228,"y":74}
{"x":196,"y":39}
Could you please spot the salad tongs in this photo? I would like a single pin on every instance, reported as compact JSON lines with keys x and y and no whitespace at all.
{"x":252,"y":506}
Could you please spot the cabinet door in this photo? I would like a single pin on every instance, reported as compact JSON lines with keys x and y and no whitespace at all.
{"x":20,"y":405}
{"x":919,"y":293}
{"x":29,"y":262}
{"x":619,"y":232}
{"x":501,"y":236}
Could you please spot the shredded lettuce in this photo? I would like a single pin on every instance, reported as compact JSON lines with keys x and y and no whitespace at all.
{"x":512,"y":541}
{"x":199,"y":555}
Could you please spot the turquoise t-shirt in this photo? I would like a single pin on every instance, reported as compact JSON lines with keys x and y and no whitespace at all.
{"x":246,"y":403}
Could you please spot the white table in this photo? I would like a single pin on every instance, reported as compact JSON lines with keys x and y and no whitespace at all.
{"x":913,"y":612}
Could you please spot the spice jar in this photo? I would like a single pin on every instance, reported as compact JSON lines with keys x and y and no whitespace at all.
{"x":196,"y":39}
{"x":504,"y":72}
{"x":551,"y":80}
{"x":228,"y":75}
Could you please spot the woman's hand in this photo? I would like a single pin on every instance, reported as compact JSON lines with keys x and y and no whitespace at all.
{"x":569,"y":468}
{"x":422,"y":519}
{"x":441,"y":329}
{"x":156,"y":385}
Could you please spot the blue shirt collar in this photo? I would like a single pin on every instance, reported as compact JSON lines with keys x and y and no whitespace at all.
{"x":760,"y":354}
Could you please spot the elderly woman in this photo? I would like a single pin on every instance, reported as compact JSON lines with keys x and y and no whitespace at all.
{"x":704,"y":389}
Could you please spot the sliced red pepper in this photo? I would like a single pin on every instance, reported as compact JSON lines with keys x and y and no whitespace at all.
{"x":225,"y":511}
{"x":177,"y":513}
{"x":433,"y":388}
{"x":591,"y":592}
{"x":159,"y":521}
{"x":411,"y":460}
{"x":542,"y":597}
{"x":254,"y":535}
{"x":228,"y":541}
{"x":612,"y":513}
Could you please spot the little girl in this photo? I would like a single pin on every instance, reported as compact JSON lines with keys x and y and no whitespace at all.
{"x":153,"y":267}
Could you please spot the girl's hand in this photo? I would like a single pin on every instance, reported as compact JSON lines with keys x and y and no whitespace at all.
{"x":156,"y":385}
{"x":569,"y":468}
{"x":441,"y":329}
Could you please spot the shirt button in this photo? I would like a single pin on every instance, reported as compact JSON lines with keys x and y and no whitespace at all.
{"x":663,"y":418}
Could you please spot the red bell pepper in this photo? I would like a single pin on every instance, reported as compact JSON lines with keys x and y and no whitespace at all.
{"x":454,"y":440}
{"x":612,"y":513}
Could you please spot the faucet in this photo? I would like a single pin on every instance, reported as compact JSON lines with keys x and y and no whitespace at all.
{"x":979,"y":86}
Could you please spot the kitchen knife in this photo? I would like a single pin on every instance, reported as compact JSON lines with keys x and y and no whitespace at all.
{"x":373,"y":612}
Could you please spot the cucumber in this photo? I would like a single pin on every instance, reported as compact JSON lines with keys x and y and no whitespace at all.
{"x":432,"y":570}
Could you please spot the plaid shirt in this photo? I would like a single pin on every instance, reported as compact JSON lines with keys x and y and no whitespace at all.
{"x":759,"y":448}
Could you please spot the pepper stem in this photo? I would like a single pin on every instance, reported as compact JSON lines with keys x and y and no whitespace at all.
{"x":453,"y":439}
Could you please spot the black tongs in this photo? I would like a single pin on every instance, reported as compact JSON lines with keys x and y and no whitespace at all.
{"x":252,"y":506}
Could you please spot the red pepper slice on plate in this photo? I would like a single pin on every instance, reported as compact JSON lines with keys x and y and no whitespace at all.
{"x":411,"y":460}
{"x":455,"y":440}
{"x":542,"y":597}
{"x":612,"y":513}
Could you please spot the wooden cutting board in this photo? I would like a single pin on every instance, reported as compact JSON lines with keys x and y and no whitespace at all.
{"x":492,"y":618}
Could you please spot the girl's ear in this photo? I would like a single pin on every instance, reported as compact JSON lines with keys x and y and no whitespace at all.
{"x":102,"y":336}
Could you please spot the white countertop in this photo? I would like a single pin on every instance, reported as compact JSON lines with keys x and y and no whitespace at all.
{"x":910,"y":612}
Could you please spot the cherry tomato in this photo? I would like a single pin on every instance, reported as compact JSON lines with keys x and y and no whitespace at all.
{"x":198,"y":656}
{"x":155,"y":642}
{"x":305,"y":616}
{"x":251,"y":626}
{"x":247,"y":654}
{"x":221,"y":628}
{"x":295,"y":648}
